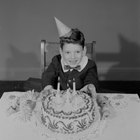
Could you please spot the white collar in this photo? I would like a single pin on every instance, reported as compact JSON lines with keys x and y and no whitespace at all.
{"x":82,"y":64}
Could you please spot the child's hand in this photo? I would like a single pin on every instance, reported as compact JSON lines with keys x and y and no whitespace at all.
{"x":48,"y":89}
{"x":90,"y":88}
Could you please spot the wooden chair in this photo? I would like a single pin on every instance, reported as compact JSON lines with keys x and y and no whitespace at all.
{"x":50,"y":49}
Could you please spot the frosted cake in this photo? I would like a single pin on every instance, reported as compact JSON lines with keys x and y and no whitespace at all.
{"x":69,"y":112}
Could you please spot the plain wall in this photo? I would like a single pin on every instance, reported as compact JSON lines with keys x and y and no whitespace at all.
{"x":114,"y":24}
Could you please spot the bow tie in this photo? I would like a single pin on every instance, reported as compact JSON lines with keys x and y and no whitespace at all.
{"x":67,"y":67}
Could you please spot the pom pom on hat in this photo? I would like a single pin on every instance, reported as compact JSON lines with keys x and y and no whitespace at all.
{"x":63,"y":30}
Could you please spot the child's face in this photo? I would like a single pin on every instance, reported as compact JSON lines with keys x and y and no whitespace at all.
{"x":72,"y":53}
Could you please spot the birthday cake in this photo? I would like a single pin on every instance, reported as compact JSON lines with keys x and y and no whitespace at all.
{"x":69,"y":112}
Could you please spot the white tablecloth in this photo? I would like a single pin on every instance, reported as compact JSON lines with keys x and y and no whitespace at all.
{"x":124,"y":124}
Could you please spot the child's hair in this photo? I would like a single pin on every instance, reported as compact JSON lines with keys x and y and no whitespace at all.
{"x":76,"y":37}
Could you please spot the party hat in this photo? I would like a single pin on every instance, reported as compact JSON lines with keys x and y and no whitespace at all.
{"x":63,"y":30}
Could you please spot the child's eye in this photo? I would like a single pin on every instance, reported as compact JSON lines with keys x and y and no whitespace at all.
{"x":77,"y":51}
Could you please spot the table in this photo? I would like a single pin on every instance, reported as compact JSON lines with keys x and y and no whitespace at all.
{"x":123,"y":125}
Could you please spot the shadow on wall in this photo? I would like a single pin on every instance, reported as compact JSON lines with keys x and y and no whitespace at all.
{"x":128,"y":61}
{"x":21,"y":65}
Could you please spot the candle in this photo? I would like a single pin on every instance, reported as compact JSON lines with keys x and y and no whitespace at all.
{"x":58,"y":98}
{"x":74,"y":92}
{"x":58,"y":85}
{"x":74,"y":85}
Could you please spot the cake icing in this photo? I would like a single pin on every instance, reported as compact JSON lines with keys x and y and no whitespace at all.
{"x":69,"y":112}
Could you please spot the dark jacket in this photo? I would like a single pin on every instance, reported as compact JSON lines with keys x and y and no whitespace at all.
{"x":87,"y":76}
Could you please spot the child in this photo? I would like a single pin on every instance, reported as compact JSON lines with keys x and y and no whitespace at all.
{"x":71,"y":64}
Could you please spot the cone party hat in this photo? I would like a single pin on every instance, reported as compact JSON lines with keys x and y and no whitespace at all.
{"x":63,"y":30}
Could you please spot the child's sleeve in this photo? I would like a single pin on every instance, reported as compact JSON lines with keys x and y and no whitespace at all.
{"x":49,"y":76}
{"x":92,"y":76}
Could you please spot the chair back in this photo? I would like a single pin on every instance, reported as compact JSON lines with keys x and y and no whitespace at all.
{"x":50,"y":49}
